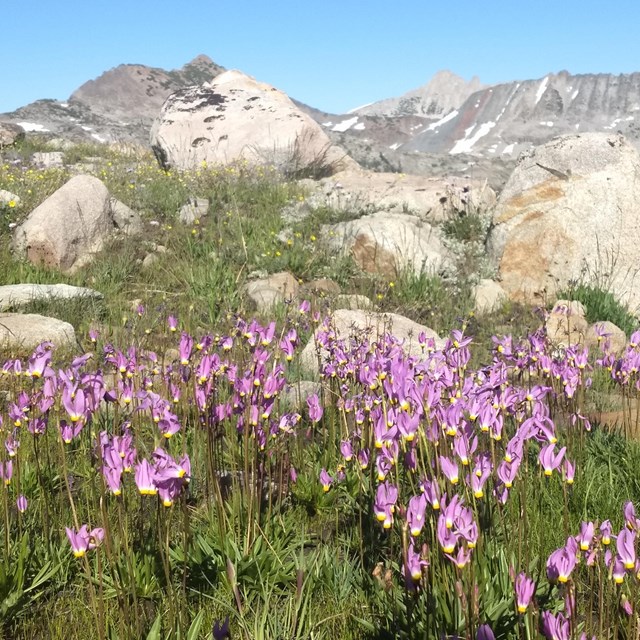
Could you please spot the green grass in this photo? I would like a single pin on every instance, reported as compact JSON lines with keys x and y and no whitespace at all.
{"x":601,"y":305}
{"x":311,"y":568}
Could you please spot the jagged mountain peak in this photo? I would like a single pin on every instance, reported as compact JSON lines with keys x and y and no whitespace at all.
{"x":443,"y":93}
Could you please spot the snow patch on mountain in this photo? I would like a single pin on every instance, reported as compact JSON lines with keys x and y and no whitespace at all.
{"x":449,"y":116}
{"x":33,"y":126}
{"x":542,"y":88}
{"x":466,"y":144}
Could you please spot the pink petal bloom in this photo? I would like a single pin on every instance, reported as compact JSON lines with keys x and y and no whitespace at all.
{"x":626,"y":548}
{"x":555,"y":627}
{"x":325,"y":480}
{"x":569,"y":471}
{"x":446,"y":537}
{"x":550,"y":461}
{"x":415,"y":564}
{"x":6,"y":471}
{"x":69,"y":431}
{"x":585,"y":537}
{"x":346,"y":449}
{"x":462,"y":557}
{"x":432,"y":491}
{"x":304,"y":308}
{"x":145,"y":480}
{"x":21,"y":504}
{"x":96,"y":536}
{"x":74,"y":403}
{"x":315,"y":409}
{"x":450,"y":469}
{"x":507,"y":472}
{"x":112,"y":477}
{"x":606,"y":530}
{"x":485,"y":633}
{"x":185,"y":348}
{"x":630,"y":516}
{"x":172,"y":322}
{"x":169,"y":490}
{"x":525,"y":588}
{"x":384,"y":505}
{"x":561,"y":564}
{"x":618,"y":571}
{"x":416,"y":514}
{"x":79,"y":541}
{"x":363,"y":458}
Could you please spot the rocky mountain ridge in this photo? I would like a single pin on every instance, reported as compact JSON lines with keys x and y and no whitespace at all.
{"x":118,"y":106}
{"x":448,"y":126}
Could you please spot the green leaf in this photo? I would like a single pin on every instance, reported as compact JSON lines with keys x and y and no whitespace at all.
{"x":156,"y":629}
{"x":194,"y":629}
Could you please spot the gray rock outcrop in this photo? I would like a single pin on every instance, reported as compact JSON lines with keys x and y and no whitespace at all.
{"x":233,"y":118}
{"x":24,"y":332}
{"x":345,"y":321}
{"x":10,"y":133}
{"x":388,"y":243}
{"x":571,"y":209}
{"x":69,"y":226}
{"x":15,"y":296}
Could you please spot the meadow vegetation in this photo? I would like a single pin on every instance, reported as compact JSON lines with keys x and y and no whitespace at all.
{"x":163,"y":480}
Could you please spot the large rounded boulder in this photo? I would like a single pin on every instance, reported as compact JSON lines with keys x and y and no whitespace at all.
{"x":236,"y":118}
{"x":570,"y":210}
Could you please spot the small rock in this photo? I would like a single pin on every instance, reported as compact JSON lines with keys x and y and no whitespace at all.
{"x":566,"y":324}
{"x":10,"y":133}
{"x":6,"y":197}
{"x":193,"y":210}
{"x":294,"y":396}
{"x":272,"y":290}
{"x":48,"y":159}
{"x":19,"y":331}
{"x":14,"y":296}
{"x":320,"y":285}
{"x":488,"y":296}
{"x":345,"y":321}
{"x":68,"y":227}
{"x":388,"y":243}
{"x":599,"y":333}
{"x":353,"y":302}
{"x":124,"y":218}
{"x":569,"y":308}
{"x":150,"y":260}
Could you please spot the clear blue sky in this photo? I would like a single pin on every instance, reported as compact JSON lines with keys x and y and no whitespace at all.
{"x":333,"y":55}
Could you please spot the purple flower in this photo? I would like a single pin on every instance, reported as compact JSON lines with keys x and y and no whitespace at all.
{"x":315,"y":410}
{"x":606,"y":530}
{"x":554,"y":627}
{"x":221,"y":630}
{"x":6,"y":471}
{"x":145,"y":479}
{"x":525,"y":588}
{"x":561,"y":563}
{"x":84,"y":540}
{"x":626,"y":548}
{"x":450,"y":469}
{"x":485,"y":633}
{"x":21,"y":503}
{"x":585,"y":536}
{"x":446,"y":537}
{"x":346,"y":450}
{"x":385,"y":502}
{"x":325,"y":480}
{"x":415,"y":514}
{"x":550,"y":461}
{"x":414,"y":564}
